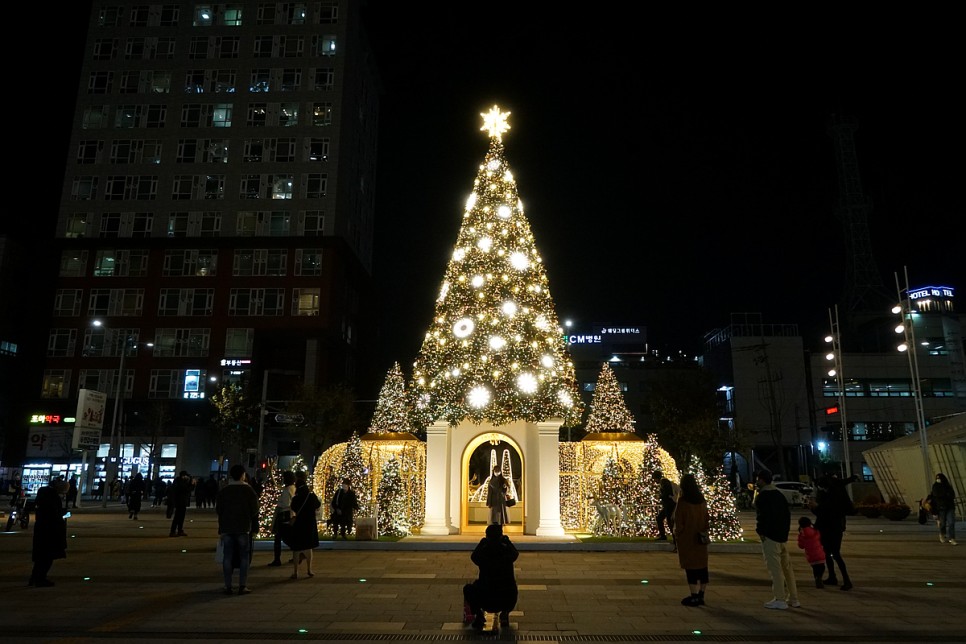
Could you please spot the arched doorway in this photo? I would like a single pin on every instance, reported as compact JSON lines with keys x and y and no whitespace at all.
{"x":479,"y":457}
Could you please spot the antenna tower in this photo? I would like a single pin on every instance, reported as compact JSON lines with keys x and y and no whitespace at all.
{"x":864,"y":289}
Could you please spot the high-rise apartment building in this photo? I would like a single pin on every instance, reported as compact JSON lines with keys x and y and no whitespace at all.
{"x":216,"y":218}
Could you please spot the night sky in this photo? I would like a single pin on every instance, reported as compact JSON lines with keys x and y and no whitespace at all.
{"x":674,"y":168}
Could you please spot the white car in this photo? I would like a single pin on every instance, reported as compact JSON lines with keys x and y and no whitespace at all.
{"x":796,"y":492}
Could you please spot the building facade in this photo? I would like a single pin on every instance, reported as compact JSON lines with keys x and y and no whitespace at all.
{"x":216,"y":220}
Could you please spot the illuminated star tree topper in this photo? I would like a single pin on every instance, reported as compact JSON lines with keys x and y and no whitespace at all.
{"x":495,"y":351}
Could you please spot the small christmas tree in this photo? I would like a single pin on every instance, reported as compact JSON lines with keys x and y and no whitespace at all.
{"x":495,"y":351}
{"x":392,"y":407}
{"x":612,"y":499}
{"x":268,"y":499}
{"x":646,"y":492}
{"x":391,"y":497}
{"x":608,"y":411}
{"x":722,"y":508}
{"x":354,"y":468}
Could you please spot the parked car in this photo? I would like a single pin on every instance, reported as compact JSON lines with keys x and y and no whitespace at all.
{"x":796,"y":492}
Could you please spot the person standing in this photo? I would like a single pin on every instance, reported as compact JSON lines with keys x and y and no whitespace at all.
{"x":496,"y":490}
{"x":943,"y":498}
{"x":179,"y":495}
{"x":283,"y":513}
{"x":72,"y":493}
{"x":666,"y":514}
{"x":343,"y":504}
{"x":496,"y":588}
{"x":690,"y":526}
{"x":50,"y":532}
{"x":772,"y":523}
{"x":303,"y":537}
{"x":134,"y":496}
{"x":237,"y":508}
{"x":810,"y":541}
{"x":830,"y":507}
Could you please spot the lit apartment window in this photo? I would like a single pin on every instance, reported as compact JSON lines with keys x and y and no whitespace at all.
{"x":283,"y":186}
{"x":308,"y":262}
{"x":318,"y":150}
{"x":204,"y":15}
{"x":305,"y":301}
{"x":288,"y":114}
{"x":257,"y":114}
{"x":224,"y":81}
{"x":76,"y":225}
{"x":322,"y":114}
{"x":73,"y":263}
{"x":56,"y":383}
{"x":232,"y":16}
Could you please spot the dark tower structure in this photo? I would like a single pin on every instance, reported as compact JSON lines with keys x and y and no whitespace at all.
{"x":864,"y":289}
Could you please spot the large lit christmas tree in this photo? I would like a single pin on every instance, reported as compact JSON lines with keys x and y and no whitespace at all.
{"x":392,"y":413}
{"x":495,"y":351}
{"x":645,"y":492}
{"x":722,"y":507}
{"x":608,"y":411}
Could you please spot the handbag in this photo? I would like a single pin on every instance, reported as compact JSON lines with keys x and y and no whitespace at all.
{"x":220,"y":551}
{"x":510,"y":502}
{"x":703,"y":538}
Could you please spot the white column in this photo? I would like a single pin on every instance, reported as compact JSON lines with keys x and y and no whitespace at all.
{"x":438,"y":463}
{"x":549,"y":457}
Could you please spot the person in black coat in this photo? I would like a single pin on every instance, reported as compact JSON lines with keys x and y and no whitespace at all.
{"x":134,"y":496}
{"x":344,"y":503}
{"x":496,"y":588}
{"x":179,"y":497}
{"x":303,"y":535}
{"x":50,"y":532}
{"x":831,"y":506}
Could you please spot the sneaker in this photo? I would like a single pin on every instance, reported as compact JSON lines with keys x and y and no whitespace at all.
{"x":690,"y":601}
{"x":795,"y":603}
{"x":952,"y":542}
{"x":244,"y":590}
{"x":776,"y":603}
{"x":942,"y":539}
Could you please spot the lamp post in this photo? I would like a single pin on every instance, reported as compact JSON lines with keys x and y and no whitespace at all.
{"x":835,"y":357}
{"x":908,"y":346}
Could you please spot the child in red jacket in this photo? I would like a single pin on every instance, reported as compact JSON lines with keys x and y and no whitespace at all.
{"x":809,"y":540}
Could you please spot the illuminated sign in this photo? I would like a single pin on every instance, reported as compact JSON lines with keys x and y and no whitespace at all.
{"x":831,"y":410}
{"x":583,"y":339}
{"x":621,"y":330}
{"x":44,"y":419}
{"x":192,"y":385}
{"x":229,"y":362}
{"x":931,"y":291}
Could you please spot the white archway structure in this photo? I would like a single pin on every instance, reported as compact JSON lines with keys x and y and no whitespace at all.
{"x":445,"y":448}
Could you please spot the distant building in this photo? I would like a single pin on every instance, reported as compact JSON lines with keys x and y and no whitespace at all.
{"x":218,"y":204}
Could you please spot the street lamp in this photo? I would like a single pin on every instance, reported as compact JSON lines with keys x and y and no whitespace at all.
{"x":908,"y":346}
{"x":835,"y":357}
{"x":128,"y":342}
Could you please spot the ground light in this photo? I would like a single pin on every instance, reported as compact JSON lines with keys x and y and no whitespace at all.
{"x":695,"y":632}
{"x":644,"y":581}
{"x":929,"y":583}
{"x":362,"y":581}
{"x":303,"y":630}
{"x":87,"y":578}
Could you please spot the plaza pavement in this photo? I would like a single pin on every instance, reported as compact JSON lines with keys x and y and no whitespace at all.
{"x":127,"y":581}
